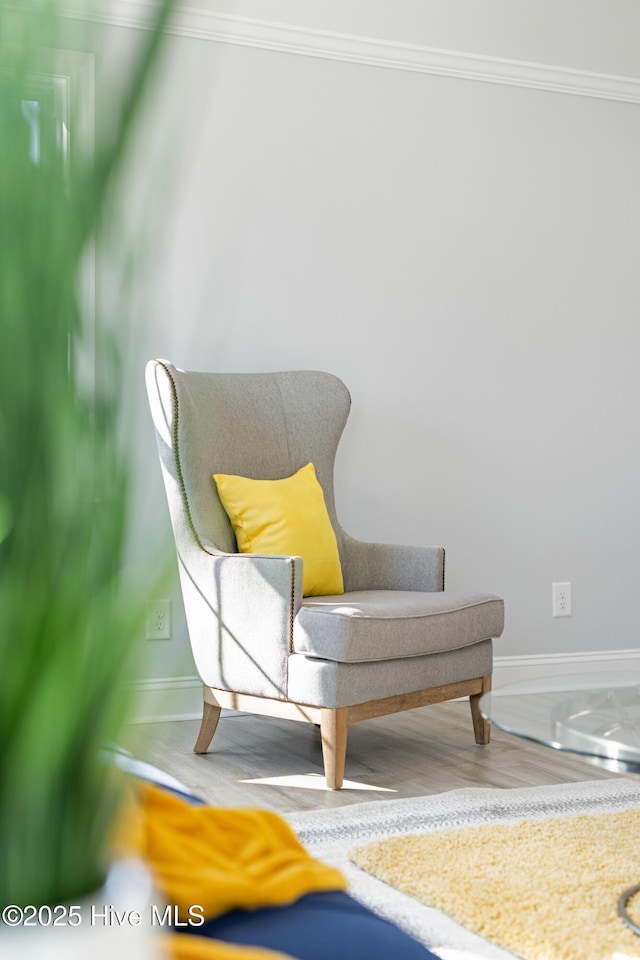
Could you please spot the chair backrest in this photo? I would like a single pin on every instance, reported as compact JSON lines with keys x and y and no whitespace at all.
{"x":259,"y":425}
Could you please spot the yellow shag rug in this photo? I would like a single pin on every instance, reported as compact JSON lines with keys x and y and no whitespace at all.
{"x":544,"y":890}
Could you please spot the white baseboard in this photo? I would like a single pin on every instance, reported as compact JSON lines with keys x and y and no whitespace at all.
{"x":514,"y":669}
{"x":169,"y":698}
{"x":180,"y":698}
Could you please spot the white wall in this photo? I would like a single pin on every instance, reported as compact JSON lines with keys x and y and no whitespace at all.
{"x":462,"y":253}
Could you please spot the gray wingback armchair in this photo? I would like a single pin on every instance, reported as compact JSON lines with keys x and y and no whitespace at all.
{"x":393,"y":641}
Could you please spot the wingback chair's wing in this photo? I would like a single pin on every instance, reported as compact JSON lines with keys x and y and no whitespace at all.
{"x":258,"y":645}
{"x":240,"y":608}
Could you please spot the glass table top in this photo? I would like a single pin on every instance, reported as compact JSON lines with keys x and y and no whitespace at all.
{"x":595,"y":715}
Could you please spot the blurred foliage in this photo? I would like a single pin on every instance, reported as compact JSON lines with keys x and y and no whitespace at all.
{"x":69,"y":614}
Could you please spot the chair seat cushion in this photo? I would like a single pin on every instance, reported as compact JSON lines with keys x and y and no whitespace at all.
{"x":371,"y":625}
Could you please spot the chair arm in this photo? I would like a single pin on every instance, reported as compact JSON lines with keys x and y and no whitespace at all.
{"x":390,"y":566}
{"x":240,"y":610}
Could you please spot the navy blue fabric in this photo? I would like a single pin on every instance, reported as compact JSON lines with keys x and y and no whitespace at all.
{"x":319,"y":926}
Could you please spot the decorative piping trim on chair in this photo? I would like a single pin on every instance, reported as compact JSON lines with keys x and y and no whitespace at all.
{"x":444,"y":560}
{"x":292,"y":603}
{"x":176,"y":457}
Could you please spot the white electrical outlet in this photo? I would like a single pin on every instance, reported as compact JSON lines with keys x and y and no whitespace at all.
{"x":159,"y":620}
{"x":561,"y":599}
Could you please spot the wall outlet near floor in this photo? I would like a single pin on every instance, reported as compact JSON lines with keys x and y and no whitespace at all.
{"x":561,"y":599}
{"x":159,"y":620}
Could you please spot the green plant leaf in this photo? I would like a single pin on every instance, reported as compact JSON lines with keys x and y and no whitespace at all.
{"x":68,"y":616}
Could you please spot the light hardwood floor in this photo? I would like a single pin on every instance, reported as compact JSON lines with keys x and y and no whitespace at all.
{"x":277,"y":764}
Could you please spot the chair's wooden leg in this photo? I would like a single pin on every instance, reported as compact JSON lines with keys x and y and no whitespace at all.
{"x":481,"y":727}
{"x":333,"y":730}
{"x":210,"y":717}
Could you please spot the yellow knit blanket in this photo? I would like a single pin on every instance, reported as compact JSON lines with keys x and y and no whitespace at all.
{"x":220,"y":859}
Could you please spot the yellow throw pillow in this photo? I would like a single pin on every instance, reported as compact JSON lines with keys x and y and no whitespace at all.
{"x":286,"y":517}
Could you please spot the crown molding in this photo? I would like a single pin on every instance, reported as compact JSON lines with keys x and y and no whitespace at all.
{"x":201,"y":24}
